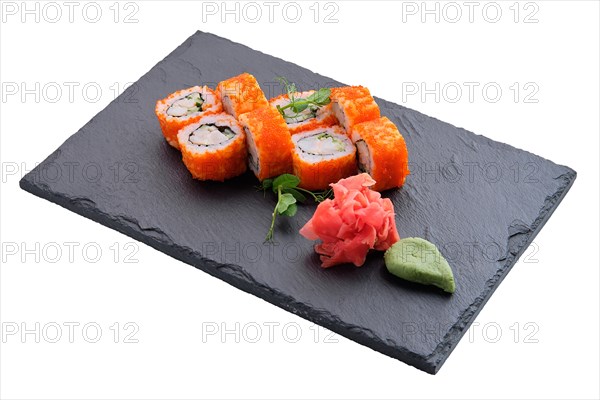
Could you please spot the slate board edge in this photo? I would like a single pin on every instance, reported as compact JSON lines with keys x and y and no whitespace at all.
{"x":229,"y":273}
{"x":233,"y":275}
{"x":237,"y":278}
{"x":514,"y":252}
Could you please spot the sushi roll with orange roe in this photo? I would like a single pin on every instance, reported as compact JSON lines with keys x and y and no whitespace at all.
{"x":382,"y":152}
{"x":323,"y":156}
{"x":311,"y":117}
{"x":353,"y":105}
{"x":214,"y":147}
{"x":183,"y":108}
{"x":241,"y":94}
{"x":268,"y":141}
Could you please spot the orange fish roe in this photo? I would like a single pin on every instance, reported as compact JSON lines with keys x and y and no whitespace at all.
{"x":319,"y":176}
{"x":268,"y":141}
{"x":382,"y":152}
{"x":353,"y":105}
{"x":241,"y":94}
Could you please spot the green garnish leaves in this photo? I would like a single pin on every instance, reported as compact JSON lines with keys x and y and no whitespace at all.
{"x":290,"y":88}
{"x":299,"y":107}
{"x":322,"y":196}
{"x":267,"y":184}
{"x":285,"y":201}
{"x":291,"y":210}
{"x":297,"y":195}
{"x":286,"y":205}
{"x":288,"y":194}
{"x":317,"y":99}
{"x":285,"y":181}
{"x":320,"y":97}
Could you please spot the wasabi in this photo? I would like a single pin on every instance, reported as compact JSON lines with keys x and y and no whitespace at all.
{"x":418,"y":260}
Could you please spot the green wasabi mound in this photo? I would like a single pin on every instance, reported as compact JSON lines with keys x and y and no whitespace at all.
{"x":418,"y":260}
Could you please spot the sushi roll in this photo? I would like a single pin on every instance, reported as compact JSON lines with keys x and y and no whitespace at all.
{"x":323,"y":156}
{"x":241,"y":94}
{"x":353,"y":105}
{"x":214,"y":147}
{"x":310,"y":118}
{"x":382,"y":152}
{"x":268,"y":141}
{"x":185,"y":107}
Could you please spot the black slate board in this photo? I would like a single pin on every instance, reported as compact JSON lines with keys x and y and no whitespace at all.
{"x":482,"y":202}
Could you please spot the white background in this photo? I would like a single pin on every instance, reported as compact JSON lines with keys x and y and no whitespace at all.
{"x":373,"y":44}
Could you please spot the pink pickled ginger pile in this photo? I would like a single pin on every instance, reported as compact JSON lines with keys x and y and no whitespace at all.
{"x":351,"y":224}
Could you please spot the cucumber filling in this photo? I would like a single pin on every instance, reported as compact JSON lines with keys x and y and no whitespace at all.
{"x":210,"y":135}
{"x":292,"y":117}
{"x":186,"y":105}
{"x":321,"y":144}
